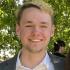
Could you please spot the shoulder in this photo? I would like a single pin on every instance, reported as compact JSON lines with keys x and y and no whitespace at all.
{"x":58,"y":54}
{"x":8,"y":63}
{"x":57,"y":61}
{"x":54,"y":57}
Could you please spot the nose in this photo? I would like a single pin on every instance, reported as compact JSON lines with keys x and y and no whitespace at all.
{"x":36,"y":31}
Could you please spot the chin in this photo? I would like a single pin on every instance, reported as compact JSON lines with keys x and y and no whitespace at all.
{"x":35,"y":50}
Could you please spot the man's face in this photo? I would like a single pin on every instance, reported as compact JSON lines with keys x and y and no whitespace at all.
{"x":35,"y":29}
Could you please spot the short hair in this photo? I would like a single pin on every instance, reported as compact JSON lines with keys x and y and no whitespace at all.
{"x":39,"y":4}
{"x":58,"y":44}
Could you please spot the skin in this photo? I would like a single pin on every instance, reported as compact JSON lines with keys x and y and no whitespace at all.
{"x":35,"y":31}
{"x":61,"y":50}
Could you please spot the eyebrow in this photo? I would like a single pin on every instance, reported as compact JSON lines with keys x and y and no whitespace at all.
{"x":44,"y":22}
{"x":29,"y":21}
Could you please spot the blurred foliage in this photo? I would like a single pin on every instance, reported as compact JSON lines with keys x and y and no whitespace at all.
{"x":8,"y":39}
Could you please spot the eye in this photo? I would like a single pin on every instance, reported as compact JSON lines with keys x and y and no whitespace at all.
{"x":43,"y":26}
{"x":28,"y":25}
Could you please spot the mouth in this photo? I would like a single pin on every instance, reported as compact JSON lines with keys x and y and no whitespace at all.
{"x":36,"y":40}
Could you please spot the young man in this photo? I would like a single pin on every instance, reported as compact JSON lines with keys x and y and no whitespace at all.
{"x":34,"y":28}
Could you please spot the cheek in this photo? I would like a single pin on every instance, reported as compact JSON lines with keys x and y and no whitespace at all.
{"x":24,"y":37}
{"x":25,"y":33}
{"x":47,"y":32}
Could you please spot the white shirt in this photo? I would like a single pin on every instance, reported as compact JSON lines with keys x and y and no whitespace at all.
{"x":45,"y":61}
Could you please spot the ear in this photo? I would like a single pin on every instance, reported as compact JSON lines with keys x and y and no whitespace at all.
{"x":18,"y":30}
{"x":53,"y":30}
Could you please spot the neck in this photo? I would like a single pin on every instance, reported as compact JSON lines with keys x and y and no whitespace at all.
{"x":30,"y":60}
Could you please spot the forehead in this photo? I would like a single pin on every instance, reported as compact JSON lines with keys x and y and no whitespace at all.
{"x":34,"y":13}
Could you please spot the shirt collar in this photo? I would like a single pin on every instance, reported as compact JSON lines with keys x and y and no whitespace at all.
{"x":45,"y":61}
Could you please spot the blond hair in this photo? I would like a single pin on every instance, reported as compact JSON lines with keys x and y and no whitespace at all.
{"x":43,"y":5}
{"x":39,"y":4}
